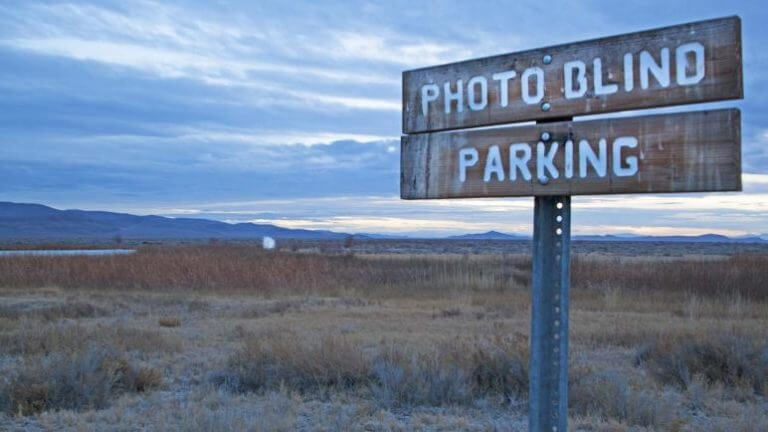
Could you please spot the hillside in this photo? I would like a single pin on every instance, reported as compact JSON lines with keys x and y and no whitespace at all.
{"x":36,"y":221}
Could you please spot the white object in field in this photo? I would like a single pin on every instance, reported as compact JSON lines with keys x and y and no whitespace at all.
{"x":268,"y":243}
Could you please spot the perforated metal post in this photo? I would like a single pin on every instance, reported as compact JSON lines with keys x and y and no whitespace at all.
{"x":549,"y":315}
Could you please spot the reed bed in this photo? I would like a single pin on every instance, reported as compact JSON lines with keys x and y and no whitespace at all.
{"x":235,"y":268}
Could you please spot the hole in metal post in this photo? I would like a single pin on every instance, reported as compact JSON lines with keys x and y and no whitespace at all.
{"x":559,"y":231}
{"x":559,"y":205}
{"x":559,"y":218}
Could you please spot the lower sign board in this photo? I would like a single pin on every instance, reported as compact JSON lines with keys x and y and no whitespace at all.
{"x":686,"y":152}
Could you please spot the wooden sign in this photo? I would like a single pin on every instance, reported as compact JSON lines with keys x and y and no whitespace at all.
{"x":687,"y":152}
{"x":552,"y":160}
{"x":683,"y":64}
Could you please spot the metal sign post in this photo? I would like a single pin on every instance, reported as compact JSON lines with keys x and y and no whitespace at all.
{"x":447,"y":152}
{"x":548,"y":386}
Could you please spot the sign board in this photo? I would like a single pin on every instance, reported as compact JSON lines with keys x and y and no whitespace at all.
{"x":687,"y":152}
{"x":558,"y":157}
{"x":684,"y":64}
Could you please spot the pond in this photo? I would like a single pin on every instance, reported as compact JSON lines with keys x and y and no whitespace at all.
{"x":66,"y":252}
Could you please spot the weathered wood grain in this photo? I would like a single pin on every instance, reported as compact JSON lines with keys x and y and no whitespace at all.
{"x":687,"y":152}
{"x":722,"y":67}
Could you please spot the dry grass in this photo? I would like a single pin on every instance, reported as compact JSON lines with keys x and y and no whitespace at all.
{"x":40,"y":338}
{"x":309,"y":341}
{"x":228,"y":268}
{"x":241,"y":268}
{"x":740,"y":275}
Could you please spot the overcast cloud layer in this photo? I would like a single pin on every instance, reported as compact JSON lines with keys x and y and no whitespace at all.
{"x":289,"y":112}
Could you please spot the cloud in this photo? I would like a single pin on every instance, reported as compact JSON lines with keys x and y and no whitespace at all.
{"x":391,"y":225}
{"x":751,"y":180}
{"x":755,"y":153}
{"x":107,"y":171}
{"x":646,"y":230}
{"x":172,"y":43}
{"x":213,"y":71}
{"x":290,"y":111}
{"x":399,"y":51}
{"x":171,"y":63}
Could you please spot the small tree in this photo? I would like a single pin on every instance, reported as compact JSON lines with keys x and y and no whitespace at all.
{"x":349,"y":241}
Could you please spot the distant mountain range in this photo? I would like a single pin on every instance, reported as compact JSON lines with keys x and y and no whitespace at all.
{"x":490,"y":235}
{"x":39,"y":222}
{"x":36,"y":221}
{"x":704,"y":238}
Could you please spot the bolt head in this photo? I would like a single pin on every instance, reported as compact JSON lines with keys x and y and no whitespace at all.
{"x":543,"y":179}
{"x":546,"y":106}
{"x":547,"y":59}
{"x":545,"y":136}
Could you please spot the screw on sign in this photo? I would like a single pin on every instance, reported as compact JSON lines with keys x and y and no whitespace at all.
{"x":695,"y":151}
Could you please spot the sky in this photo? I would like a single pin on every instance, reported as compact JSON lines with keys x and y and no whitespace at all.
{"x":289,"y":112}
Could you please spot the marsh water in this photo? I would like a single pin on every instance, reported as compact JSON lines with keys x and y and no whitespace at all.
{"x":60,"y":252}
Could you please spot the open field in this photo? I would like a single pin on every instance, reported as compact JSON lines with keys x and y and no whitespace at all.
{"x":227,"y":337}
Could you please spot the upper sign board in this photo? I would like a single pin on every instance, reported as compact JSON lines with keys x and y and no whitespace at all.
{"x":683,"y":64}
{"x":687,"y":152}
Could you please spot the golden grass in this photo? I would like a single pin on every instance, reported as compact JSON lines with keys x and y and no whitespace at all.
{"x":232,"y":268}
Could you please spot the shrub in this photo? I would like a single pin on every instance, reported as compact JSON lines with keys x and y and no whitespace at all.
{"x":448,"y":374}
{"x":169,"y":321}
{"x":608,"y":394}
{"x":733,"y":360}
{"x":603,"y":393}
{"x":420,"y":380}
{"x":84,"y":380}
{"x":453,"y":373}
{"x":502,"y":369}
{"x":147,"y":379}
{"x":280,"y":360}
